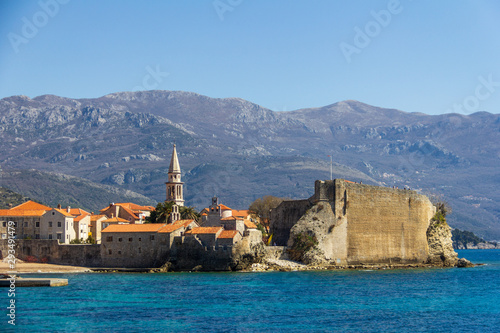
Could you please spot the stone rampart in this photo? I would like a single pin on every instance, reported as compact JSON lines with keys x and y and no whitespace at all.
{"x":384,"y":225}
{"x":284,"y":218}
{"x":50,"y":251}
{"x":356,"y":224}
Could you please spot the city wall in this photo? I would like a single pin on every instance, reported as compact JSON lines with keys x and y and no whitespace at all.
{"x":356,"y":223}
{"x":50,"y":251}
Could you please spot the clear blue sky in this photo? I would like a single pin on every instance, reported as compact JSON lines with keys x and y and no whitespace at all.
{"x":425,"y":56}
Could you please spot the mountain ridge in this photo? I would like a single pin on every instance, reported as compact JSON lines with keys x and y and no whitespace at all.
{"x":124,"y":139}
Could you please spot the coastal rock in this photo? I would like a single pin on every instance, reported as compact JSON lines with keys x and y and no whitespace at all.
{"x":441,"y":251}
{"x":462,"y":262}
{"x":308,"y":237}
{"x":248,"y":251}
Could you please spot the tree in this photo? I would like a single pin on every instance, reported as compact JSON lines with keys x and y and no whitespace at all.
{"x":189,"y":213}
{"x":260,"y":209}
{"x":161,"y":213}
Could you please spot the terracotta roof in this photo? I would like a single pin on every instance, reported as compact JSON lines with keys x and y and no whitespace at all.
{"x":116,"y":219}
{"x":241,"y":213}
{"x":229,"y":218}
{"x":134,"y":216}
{"x":204,"y":230}
{"x":175,"y":226}
{"x":94,"y":218}
{"x":148,"y":227}
{"x":204,"y":214}
{"x":21,"y":212}
{"x":250,"y":225}
{"x":80,"y":217}
{"x":133,"y":206}
{"x":224,"y":207}
{"x":31,"y":205}
{"x":122,"y":206}
{"x":77,"y":211}
{"x":228,"y":234}
{"x":64,"y":212}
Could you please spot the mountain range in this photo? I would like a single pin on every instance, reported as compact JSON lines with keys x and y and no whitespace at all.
{"x":240,"y":151}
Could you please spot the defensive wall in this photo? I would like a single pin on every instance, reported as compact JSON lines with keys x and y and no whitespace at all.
{"x":50,"y":251}
{"x":356,"y":223}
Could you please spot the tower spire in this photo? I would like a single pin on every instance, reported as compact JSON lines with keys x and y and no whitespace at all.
{"x":174,"y":183}
{"x":174,"y":162}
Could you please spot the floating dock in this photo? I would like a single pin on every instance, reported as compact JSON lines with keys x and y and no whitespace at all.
{"x":33,"y":282}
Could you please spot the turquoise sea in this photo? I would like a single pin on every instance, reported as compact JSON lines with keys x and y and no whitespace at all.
{"x":407,"y":300}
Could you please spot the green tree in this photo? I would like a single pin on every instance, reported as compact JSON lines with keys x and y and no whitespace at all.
{"x":189,"y":213}
{"x":161,"y":213}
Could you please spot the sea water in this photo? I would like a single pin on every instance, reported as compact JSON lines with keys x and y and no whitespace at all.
{"x":403,"y":300}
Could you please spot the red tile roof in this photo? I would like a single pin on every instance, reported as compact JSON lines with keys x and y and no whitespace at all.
{"x":21,"y":212}
{"x":224,"y":207}
{"x":77,"y":211}
{"x":241,"y":213}
{"x":204,"y":230}
{"x":250,"y":225}
{"x":80,"y":217}
{"x":116,"y":219}
{"x":94,"y":218}
{"x":148,"y":227}
{"x":228,"y":234}
{"x":31,"y":205}
{"x":133,"y":206}
{"x":229,"y":218}
{"x":63,"y":212}
{"x":175,"y":226}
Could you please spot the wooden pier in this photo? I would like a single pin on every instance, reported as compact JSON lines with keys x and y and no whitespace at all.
{"x":33,"y":282}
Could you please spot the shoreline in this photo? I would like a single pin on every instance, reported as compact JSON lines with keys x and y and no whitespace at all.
{"x":267,"y":266}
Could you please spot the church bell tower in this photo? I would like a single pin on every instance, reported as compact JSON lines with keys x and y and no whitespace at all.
{"x":174,"y":184}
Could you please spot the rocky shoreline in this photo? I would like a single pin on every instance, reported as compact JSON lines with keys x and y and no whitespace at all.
{"x":284,"y":265}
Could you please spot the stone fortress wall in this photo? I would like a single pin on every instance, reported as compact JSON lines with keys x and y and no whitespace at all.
{"x":358,"y":224}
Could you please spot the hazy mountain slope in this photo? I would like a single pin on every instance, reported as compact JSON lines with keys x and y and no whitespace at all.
{"x":239,"y":151}
{"x":53,"y":189}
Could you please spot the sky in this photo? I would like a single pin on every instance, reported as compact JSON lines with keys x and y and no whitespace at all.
{"x":424,"y":56}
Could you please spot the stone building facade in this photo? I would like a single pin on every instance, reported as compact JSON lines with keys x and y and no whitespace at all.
{"x":355,"y":223}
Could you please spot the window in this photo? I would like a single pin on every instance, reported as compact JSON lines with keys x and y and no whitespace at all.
{"x":50,"y":236}
{"x":130,"y":239}
{"x":120,"y":239}
{"x":152,"y":237}
{"x":4,"y":236}
{"x":139,"y":249}
{"x":59,"y":236}
{"x":59,"y":224}
{"x":110,"y":251}
{"x":109,"y":239}
{"x":37,"y":224}
{"x":26,"y":224}
{"x":50,"y":224}
{"x":37,"y":236}
{"x":119,"y":252}
{"x":140,"y":239}
{"x":4,"y":224}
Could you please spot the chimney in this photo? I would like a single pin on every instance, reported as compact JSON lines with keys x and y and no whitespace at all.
{"x":10,"y":205}
{"x":68,"y":209}
{"x":58,"y":206}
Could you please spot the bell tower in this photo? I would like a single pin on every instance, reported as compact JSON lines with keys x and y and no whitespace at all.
{"x":174,"y":184}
